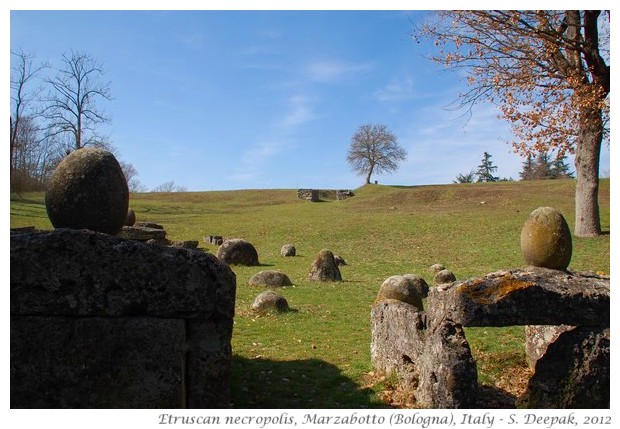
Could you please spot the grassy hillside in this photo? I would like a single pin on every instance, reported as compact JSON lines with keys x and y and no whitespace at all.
{"x":318,"y":355}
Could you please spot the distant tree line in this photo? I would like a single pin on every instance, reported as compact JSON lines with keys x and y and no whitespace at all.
{"x":56,"y":111}
{"x":542,"y":167}
{"x":539,"y":168}
{"x":483,"y":173}
{"x":52,"y":113}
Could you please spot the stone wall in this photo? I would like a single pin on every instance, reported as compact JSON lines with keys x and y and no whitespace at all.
{"x":308,"y":194}
{"x":103,"y":322}
{"x":430,"y":354}
{"x":315,"y":195}
{"x":343,"y":194}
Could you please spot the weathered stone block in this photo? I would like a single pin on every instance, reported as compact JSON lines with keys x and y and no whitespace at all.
{"x":102,"y":322}
{"x":538,"y":338}
{"x":149,"y":225}
{"x":96,"y":362}
{"x":532,"y":296}
{"x":433,"y":362}
{"x":209,"y":356}
{"x":398,"y":334}
{"x":308,"y":194}
{"x":448,"y":374}
{"x":429,"y":353}
{"x":141,"y":233}
{"x":574,"y":372}
{"x":343,"y":194}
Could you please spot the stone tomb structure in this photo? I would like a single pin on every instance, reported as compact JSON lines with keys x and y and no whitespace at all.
{"x":431,"y":356}
{"x":314,"y":195}
{"x":98,"y":321}
{"x":308,"y":194}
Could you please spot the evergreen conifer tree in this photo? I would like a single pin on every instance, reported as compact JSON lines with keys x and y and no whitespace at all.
{"x":542,"y":169}
{"x":485,"y":170}
{"x":528,"y":168}
{"x":559,"y":168}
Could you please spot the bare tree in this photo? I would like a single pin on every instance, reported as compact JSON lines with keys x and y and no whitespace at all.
{"x":549,"y":73}
{"x":374,"y":149}
{"x":23,"y":76}
{"x":130,"y":173}
{"x":35,"y":155}
{"x":72,"y":105}
{"x":169,"y":187}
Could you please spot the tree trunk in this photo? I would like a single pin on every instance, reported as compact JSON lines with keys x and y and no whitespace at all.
{"x":372,"y":167}
{"x":587,"y":218}
{"x":13,"y":134}
{"x":78,"y":132}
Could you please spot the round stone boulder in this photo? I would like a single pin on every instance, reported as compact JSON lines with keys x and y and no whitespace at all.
{"x":270,"y":278}
{"x":269,"y":301}
{"x":130,"y":220}
{"x":88,"y":190}
{"x":435,"y":268}
{"x":288,"y":250}
{"x":324,"y":268}
{"x":419,"y":283}
{"x":444,"y":276}
{"x":238,"y":252}
{"x":546,"y":240}
{"x":401,"y":289}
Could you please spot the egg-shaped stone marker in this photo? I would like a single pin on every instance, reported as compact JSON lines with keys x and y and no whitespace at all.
{"x":88,"y":190}
{"x":403,"y":289}
{"x":546,"y":239}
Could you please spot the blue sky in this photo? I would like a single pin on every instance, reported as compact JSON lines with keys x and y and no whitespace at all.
{"x":218,"y":100}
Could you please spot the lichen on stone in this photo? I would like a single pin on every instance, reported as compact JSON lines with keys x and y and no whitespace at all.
{"x":485,"y":292}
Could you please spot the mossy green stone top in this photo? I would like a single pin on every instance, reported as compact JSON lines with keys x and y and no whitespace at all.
{"x":546,"y":240}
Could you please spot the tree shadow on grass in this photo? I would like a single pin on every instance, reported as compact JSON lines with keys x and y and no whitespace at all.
{"x":308,"y":383}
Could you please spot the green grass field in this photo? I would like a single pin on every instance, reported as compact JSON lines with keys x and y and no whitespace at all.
{"x":318,"y":355}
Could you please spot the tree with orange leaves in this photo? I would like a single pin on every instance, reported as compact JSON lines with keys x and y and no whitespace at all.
{"x":549,"y":74}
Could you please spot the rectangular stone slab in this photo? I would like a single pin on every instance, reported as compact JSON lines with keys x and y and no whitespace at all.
{"x":83,"y":273}
{"x":97,"y":362}
{"x":531,"y":296}
{"x":142,"y":233}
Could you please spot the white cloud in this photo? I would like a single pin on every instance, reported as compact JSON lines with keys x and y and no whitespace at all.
{"x":441,"y":145}
{"x":260,"y":152}
{"x":397,"y":90}
{"x":331,"y":71}
{"x":299,"y":110}
{"x":253,"y":168}
{"x":255,"y":163}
